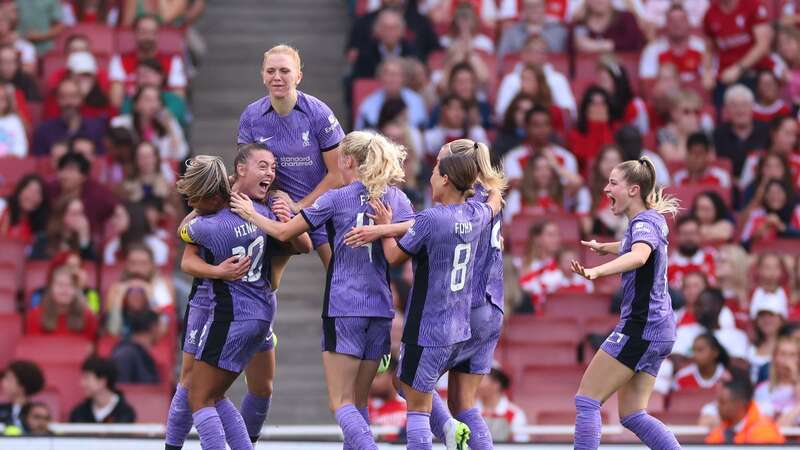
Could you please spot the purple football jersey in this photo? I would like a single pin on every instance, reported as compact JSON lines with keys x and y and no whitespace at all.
{"x":297,"y":140}
{"x":200,"y":295}
{"x":357,"y":284}
{"x":223,"y":235}
{"x":646,"y":309}
{"x":442,"y":243}
{"x":488,"y":268}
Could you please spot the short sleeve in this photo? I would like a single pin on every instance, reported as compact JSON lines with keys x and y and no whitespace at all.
{"x":320,"y":212}
{"x":643,"y":231}
{"x":401,"y":208}
{"x":197,"y":231}
{"x":417,"y":236}
{"x":328,"y":130}
{"x":245,"y":135}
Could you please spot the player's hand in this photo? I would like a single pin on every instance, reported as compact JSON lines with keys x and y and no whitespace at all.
{"x":589,"y":274}
{"x":383,"y":366}
{"x":358,"y":236}
{"x":243,"y":206}
{"x":382,"y":214}
{"x":282,"y":210}
{"x":233,"y":268}
{"x":595,"y":246}
{"x":283,"y":196}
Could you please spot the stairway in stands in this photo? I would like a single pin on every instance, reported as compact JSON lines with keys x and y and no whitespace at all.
{"x":237,"y":33}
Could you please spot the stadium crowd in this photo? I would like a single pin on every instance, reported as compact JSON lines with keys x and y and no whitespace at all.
{"x":95,"y":121}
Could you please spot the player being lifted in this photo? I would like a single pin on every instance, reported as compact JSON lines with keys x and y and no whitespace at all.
{"x":357,"y":305}
{"x":630,"y":357}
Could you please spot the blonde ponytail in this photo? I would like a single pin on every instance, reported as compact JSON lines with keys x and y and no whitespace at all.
{"x":380,"y":162}
{"x":642,"y":172}
{"x":490,"y":177}
{"x":205,"y":177}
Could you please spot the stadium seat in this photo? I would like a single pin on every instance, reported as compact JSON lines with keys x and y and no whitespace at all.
{"x":8,"y":299}
{"x":53,"y":349}
{"x":12,"y":169}
{"x":151,"y":402}
{"x":687,"y":193}
{"x":66,"y":380}
{"x":9,"y":276}
{"x":170,"y":41}
{"x":789,"y":247}
{"x":576,"y":305}
{"x":677,"y":418}
{"x":35,"y":277}
{"x":539,"y":378}
{"x":10,"y":333}
{"x":13,"y":252}
{"x":105,"y":345}
{"x":35,"y":111}
{"x":517,"y":232}
{"x":690,"y":400}
{"x":519,"y":356}
{"x":362,"y":88}
{"x":600,"y":324}
{"x":528,"y":329}
{"x":108,"y":276}
{"x":101,"y":38}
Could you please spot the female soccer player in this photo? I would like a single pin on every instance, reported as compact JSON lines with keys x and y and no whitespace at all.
{"x":243,"y":309}
{"x":442,"y":243}
{"x":254,"y":168}
{"x":357,"y":309}
{"x":631,"y":356}
{"x":301,"y":131}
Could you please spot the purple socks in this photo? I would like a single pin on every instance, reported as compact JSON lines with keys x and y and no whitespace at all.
{"x":365,"y":414}
{"x":440,"y":414}
{"x":418,"y":431}
{"x":355,"y":429}
{"x":179,"y":419}
{"x":209,"y":426}
{"x":651,"y":431}
{"x":480,"y":438}
{"x":232,"y":423}
{"x":254,"y":412}
{"x":587,"y":423}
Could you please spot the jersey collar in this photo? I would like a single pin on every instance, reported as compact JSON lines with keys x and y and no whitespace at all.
{"x":266,"y":106}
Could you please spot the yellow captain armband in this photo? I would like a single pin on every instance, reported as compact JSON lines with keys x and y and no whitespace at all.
{"x":185,"y":234}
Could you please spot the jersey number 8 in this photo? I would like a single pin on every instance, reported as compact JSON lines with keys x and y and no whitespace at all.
{"x":458,"y":276}
{"x":256,"y":252}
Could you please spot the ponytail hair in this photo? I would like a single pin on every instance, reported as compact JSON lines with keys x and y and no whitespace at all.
{"x":642,"y":172}
{"x":490,"y":177}
{"x":461,"y":170}
{"x":380,"y":162}
{"x":205,"y":177}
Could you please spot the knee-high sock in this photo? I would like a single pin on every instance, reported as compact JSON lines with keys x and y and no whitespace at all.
{"x":418,"y":431}
{"x":365,"y":414}
{"x":254,"y":412}
{"x":587,"y":423}
{"x":652,"y":432}
{"x":209,"y":426}
{"x":179,"y":419}
{"x":439,"y":416}
{"x":480,"y":438}
{"x":356,"y":431}
{"x":233,"y":424}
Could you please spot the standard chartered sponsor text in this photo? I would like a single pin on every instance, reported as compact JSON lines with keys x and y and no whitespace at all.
{"x":295,"y":161}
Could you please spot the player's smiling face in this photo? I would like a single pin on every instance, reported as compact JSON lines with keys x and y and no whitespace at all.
{"x":281,"y":75}
{"x":619,"y":192}
{"x":257,"y":175}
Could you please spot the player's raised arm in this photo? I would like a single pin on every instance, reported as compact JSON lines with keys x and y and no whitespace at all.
{"x":632,"y":260}
{"x":602,"y":248}
{"x":243,"y":207}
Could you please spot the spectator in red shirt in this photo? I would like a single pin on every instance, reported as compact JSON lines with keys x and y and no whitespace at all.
{"x":769,"y":104}
{"x":777,"y":216}
{"x":783,"y":142}
{"x":740,"y":36}
{"x":539,"y":268}
{"x":713,"y":217}
{"x":25,"y":212}
{"x":699,"y":169}
{"x":678,"y":47}
{"x":709,"y":365}
{"x":733,"y":278}
{"x":97,"y":11}
{"x":689,"y":256}
{"x":122,"y":69}
{"x":594,"y":128}
{"x":63,"y":311}
{"x":82,"y":67}
{"x":604,"y":29}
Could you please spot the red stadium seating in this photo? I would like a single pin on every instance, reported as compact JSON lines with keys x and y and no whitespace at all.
{"x":8,"y":299}
{"x":108,"y":276}
{"x":517,"y":232}
{"x":12,"y":169}
{"x":171,"y":41}
{"x":519,"y":356}
{"x":10,"y":333}
{"x":686,"y":194}
{"x":690,"y":401}
{"x":576,"y":305}
{"x":101,"y":38}
{"x":536,"y":379}
{"x":526,"y":329}
{"x":151,"y":402}
{"x":362,"y":88}
{"x":35,"y":277}
{"x":35,"y":111}
{"x":789,"y":247}
{"x":601,"y":324}
{"x":52,"y":398}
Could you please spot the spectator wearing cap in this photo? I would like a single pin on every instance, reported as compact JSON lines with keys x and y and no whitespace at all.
{"x":388,"y":41}
{"x":707,"y":311}
{"x":769,"y":306}
{"x":103,"y":404}
{"x":40,"y":22}
{"x":9,"y":36}
{"x":740,"y":134}
{"x":135,"y":363}
{"x":742,"y":422}
{"x":63,"y":311}
{"x":21,"y":380}
{"x":500,"y":414}
{"x":150,"y":73}
{"x":678,"y":47}
{"x":73,"y":180}
{"x":70,"y":123}
{"x":699,"y":169}
{"x":122,"y":69}
{"x":777,"y":396}
{"x":77,"y":43}
{"x":36,"y":417}
{"x":82,"y":67}
{"x":533,"y":22}
{"x":391,"y":76}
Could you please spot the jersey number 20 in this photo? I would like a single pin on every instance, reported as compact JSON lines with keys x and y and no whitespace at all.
{"x":458,"y":276}
{"x":256,"y":252}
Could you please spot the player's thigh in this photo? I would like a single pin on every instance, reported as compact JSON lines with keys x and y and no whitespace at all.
{"x":416,"y":400}
{"x":604,"y":376}
{"x":325,"y":253}
{"x":634,"y":395}
{"x":187,"y":363}
{"x":209,"y":384}
{"x":366,"y":373}
{"x":260,"y":373}
{"x":340,"y":375}
{"x":462,"y":388}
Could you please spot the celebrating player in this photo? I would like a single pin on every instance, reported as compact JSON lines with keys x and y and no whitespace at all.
{"x":442,"y":243}
{"x":631,"y":356}
{"x":357,"y":309}
{"x":301,"y":131}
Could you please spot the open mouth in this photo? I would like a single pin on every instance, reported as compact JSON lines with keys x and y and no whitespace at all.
{"x":613,"y":200}
{"x":264,"y":184}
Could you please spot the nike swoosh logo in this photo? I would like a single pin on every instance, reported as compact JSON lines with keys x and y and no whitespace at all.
{"x":263,"y":140}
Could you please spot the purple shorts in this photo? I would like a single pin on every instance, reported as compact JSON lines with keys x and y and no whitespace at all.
{"x":477,"y":356}
{"x":193,"y":322}
{"x":318,"y":237}
{"x":637,"y":354}
{"x":421,"y":367}
{"x":367,"y":338}
{"x":230,"y":345}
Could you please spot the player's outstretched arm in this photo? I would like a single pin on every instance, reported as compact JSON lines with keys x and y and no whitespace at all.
{"x":602,"y":248}
{"x":632,"y":260}
{"x":358,"y":236}
{"x":299,"y":244}
{"x":233,"y":268}
{"x":243,"y":206}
